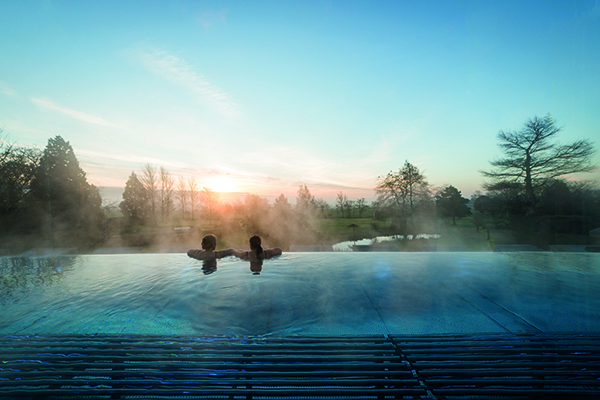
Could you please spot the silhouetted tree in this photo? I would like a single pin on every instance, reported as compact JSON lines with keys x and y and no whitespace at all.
{"x":323,"y":207}
{"x":17,"y":168}
{"x":401,"y":189}
{"x":150,"y":181}
{"x":251,"y":214}
{"x":60,"y":186}
{"x":181,"y":195}
{"x":282,"y":222}
{"x":282,"y":203}
{"x":166,"y":183}
{"x":305,"y":202}
{"x":400,"y":193}
{"x":135,"y":200}
{"x":361,"y":206}
{"x":556,"y":199}
{"x":341,"y":202}
{"x":210,"y":200}
{"x":193,"y":194}
{"x":450,"y":203}
{"x":532,"y":158}
{"x":349,"y":207}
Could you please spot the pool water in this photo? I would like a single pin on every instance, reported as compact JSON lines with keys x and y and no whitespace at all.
{"x":302,"y":293}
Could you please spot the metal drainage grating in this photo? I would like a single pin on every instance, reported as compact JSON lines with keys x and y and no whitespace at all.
{"x":513,"y":366}
{"x":301,"y":367}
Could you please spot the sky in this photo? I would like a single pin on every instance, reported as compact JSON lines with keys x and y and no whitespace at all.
{"x":261,"y":96}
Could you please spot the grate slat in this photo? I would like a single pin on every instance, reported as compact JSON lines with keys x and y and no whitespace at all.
{"x":508,"y":366}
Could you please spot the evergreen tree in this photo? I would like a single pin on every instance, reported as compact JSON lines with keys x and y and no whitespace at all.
{"x":17,"y":169}
{"x":135,"y":200}
{"x":66,"y":200}
{"x":450,"y":203}
{"x":282,"y":204}
{"x":305,"y":202}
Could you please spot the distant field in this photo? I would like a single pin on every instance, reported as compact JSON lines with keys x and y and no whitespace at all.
{"x":338,"y":229}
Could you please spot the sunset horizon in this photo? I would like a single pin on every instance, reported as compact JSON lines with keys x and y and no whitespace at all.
{"x":264,"y":97}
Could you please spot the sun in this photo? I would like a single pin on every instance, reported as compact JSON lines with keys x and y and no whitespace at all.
{"x":221,"y":184}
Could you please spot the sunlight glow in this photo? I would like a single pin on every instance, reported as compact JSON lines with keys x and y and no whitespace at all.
{"x":221,"y":184}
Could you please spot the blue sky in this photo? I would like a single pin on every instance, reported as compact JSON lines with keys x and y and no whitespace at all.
{"x":265,"y":96}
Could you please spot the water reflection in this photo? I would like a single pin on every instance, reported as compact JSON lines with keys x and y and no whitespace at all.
{"x":209,"y":266}
{"x":351,"y":244}
{"x":256,"y":266}
{"x":22,"y":275}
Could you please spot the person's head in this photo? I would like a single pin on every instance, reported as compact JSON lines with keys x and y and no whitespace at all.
{"x":209,"y":243}
{"x":255,"y":244}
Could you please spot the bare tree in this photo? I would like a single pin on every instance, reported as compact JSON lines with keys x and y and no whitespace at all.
{"x":323,"y":207}
{"x":402,"y":189}
{"x":361,"y":206}
{"x":531,"y":158}
{"x":166,"y":193}
{"x":181,"y":195}
{"x":341,"y":202}
{"x":350,"y":207}
{"x":211,"y":200}
{"x":150,"y":182}
{"x":193,"y":194}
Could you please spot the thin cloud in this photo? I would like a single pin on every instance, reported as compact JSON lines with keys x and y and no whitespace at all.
{"x":177,"y":70}
{"x":7,"y":90}
{"x":594,"y":12}
{"x":81,"y":116}
{"x":209,"y":19}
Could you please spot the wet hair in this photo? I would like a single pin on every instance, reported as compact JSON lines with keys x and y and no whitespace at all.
{"x":209,"y":241}
{"x":255,"y":246}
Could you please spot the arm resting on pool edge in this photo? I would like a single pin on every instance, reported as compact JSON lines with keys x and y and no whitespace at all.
{"x":207,"y":255}
{"x":275,"y":251}
{"x":247,"y":255}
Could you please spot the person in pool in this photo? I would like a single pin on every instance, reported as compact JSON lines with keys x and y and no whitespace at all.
{"x":256,"y":251}
{"x":257,"y":254}
{"x":208,"y":252}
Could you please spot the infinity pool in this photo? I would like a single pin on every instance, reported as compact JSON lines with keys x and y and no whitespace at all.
{"x":302,"y":293}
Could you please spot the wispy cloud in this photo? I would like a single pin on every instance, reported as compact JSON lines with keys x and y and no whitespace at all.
{"x":92,"y":119}
{"x":177,"y":70}
{"x":7,"y":90}
{"x":209,"y":19}
{"x":594,"y":12}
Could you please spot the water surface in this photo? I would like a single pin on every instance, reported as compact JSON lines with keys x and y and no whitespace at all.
{"x":302,"y":293}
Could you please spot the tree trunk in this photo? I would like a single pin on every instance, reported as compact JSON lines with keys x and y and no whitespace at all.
{"x":528,"y":184}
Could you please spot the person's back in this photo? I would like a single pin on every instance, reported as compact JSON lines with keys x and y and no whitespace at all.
{"x":209,"y":244}
{"x":256,"y":251}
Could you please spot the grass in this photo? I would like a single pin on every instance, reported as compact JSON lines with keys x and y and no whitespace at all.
{"x":463,"y":234}
{"x":338,"y":229}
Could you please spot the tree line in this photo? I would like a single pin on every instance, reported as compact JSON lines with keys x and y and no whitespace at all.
{"x":44,"y":195}
{"x":526,"y":189}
